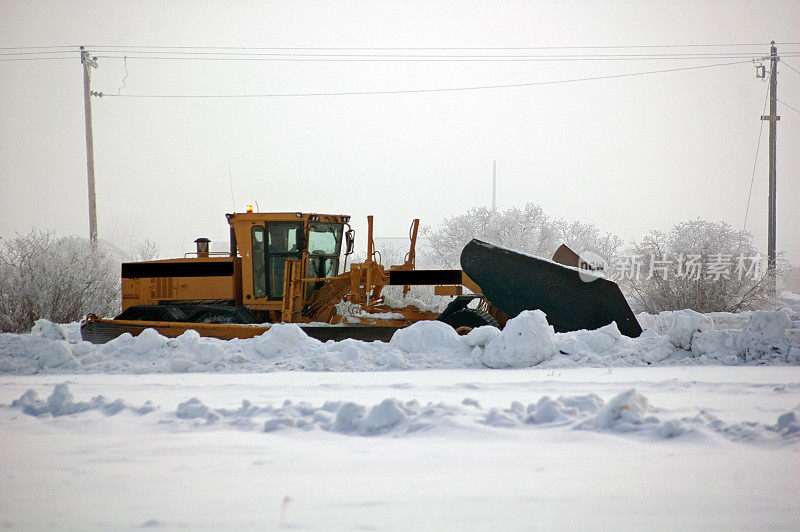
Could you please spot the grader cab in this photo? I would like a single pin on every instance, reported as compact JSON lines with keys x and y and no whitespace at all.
{"x":292,"y":268}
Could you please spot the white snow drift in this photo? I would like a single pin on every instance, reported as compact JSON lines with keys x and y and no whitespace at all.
{"x":628,"y":412}
{"x":679,"y":337}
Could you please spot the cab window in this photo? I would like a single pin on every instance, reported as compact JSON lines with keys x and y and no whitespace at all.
{"x":284,"y":241}
{"x":259,"y":266}
{"x":284,"y":238}
{"x":324,"y":239}
{"x":324,"y":246}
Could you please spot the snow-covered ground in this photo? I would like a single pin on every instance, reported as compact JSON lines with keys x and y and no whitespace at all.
{"x":591,"y":448}
{"x":694,"y":425}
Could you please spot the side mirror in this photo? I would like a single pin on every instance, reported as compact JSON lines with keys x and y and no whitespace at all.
{"x":350,"y":240}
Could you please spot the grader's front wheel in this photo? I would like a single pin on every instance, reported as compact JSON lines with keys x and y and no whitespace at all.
{"x":466,"y":319}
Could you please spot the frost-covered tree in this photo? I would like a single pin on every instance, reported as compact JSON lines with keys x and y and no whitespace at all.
{"x":60,"y":279}
{"x":701,"y":265}
{"x":144,"y":250}
{"x":527,"y":229}
{"x":123,"y":238}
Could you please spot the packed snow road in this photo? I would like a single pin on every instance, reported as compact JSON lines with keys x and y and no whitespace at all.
{"x":589,"y":448}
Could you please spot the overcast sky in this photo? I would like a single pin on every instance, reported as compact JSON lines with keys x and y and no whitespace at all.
{"x":630,"y":153}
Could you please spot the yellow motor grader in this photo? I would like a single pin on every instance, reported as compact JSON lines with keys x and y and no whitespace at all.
{"x":284,"y":268}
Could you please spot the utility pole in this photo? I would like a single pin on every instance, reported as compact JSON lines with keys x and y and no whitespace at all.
{"x":88,"y":61}
{"x":773,"y":133}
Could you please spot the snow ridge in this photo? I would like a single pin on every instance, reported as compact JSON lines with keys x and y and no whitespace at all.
{"x":673,"y":338}
{"x":628,"y":413}
{"x":61,"y":403}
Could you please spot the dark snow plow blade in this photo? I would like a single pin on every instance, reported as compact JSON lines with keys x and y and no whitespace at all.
{"x":573,"y":299}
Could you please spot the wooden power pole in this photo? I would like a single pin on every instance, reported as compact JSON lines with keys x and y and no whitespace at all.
{"x":773,"y":133}
{"x":88,"y":61}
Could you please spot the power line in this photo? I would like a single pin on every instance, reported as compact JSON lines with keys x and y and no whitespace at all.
{"x":790,"y":66}
{"x":789,"y":106}
{"x":125,"y":77}
{"x":302,"y":52}
{"x":289,"y":60}
{"x":328,"y":54}
{"x":349,"y":54}
{"x":417,"y":56}
{"x":36,"y":58}
{"x":755,"y":161}
{"x":154,"y":53}
{"x":376,"y":48}
{"x":152,"y":48}
{"x":39,"y":52}
{"x":37,"y":47}
{"x":414,"y":59}
{"x":414,"y":91}
{"x":427,"y":59}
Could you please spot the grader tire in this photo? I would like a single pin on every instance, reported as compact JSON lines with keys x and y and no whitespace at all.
{"x":467,"y":319}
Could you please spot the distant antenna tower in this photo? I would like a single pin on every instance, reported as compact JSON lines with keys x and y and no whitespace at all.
{"x":494,"y":185}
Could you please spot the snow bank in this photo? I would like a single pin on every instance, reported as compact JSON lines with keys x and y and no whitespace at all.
{"x":626,"y":413}
{"x":685,"y":323}
{"x":679,"y":337}
{"x":525,"y":341}
{"x":428,"y":337}
{"x":763,"y":334}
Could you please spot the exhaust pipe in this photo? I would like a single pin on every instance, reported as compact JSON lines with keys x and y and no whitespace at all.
{"x":203,"y":245}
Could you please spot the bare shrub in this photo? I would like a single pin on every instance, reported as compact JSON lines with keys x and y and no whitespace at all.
{"x":60,"y":279}
{"x":528,"y":229}
{"x":144,"y":250}
{"x":701,"y":265}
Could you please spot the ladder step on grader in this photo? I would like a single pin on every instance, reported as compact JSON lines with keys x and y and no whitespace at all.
{"x":284,"y":268}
